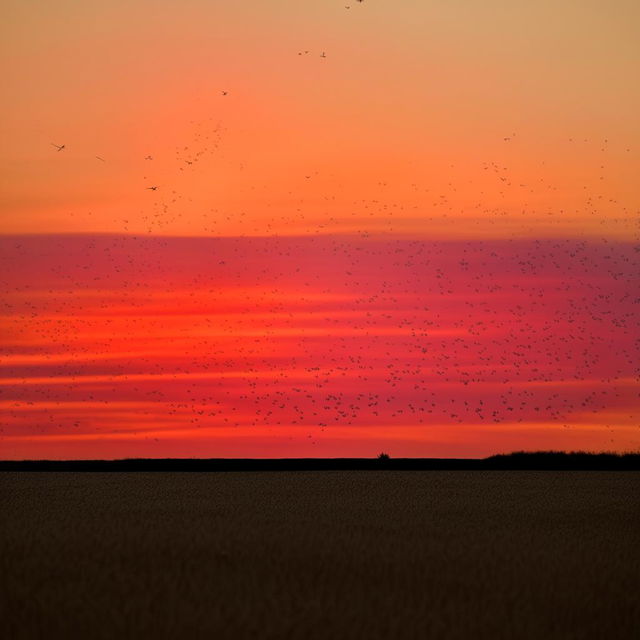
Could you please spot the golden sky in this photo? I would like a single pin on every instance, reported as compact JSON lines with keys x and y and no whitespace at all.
{"x":402,"y":226}
{"x":511,"y":118}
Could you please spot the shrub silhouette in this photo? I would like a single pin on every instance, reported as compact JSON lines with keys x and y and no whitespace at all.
{"x":384,"y":456}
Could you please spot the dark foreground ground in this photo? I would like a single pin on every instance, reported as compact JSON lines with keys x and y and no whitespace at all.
{"x":325,"y":554}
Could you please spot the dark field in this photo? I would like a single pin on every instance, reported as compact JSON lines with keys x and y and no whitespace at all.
{"x":329,"y":554}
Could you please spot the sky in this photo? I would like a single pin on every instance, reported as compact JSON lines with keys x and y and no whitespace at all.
{"x":404,"y":226}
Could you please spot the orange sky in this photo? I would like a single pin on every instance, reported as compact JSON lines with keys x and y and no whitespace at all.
{"x":400,"y":127}
{"x":400,"y":225}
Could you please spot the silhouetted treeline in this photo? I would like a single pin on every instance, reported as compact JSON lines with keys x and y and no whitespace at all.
{"x":542,"y":460}
{"x":562,"y":460}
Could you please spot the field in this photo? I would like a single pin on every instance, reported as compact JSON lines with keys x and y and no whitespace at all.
{"x":329,"y":554}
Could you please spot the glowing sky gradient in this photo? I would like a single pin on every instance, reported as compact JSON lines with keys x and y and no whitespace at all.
{"x":424,"y":241}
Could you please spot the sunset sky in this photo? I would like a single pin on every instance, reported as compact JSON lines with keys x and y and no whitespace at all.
{"x":405,"y":226}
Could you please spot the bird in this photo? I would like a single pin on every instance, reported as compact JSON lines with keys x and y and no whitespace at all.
{"x":59,"y":147}
{"x":101,"y":159}
{"x":323,"y":55}
{"x":154,"y":188}
{"x":148,"y":158}
{"x":224,"y":93}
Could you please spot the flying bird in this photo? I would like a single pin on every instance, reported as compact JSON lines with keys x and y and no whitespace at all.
{"x":153,"y":188}
{"x":59,"y":147}
{"x":101,"y":159}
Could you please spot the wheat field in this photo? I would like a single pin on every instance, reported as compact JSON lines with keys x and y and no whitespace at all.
{"x":360,"y":554}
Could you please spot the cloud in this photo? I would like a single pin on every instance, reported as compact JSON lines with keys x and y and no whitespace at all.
{"x":119,"y":334}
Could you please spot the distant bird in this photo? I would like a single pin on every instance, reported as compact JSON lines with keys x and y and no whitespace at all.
{"x":59,"y":147}
{"x":224,"y":93}
{"x":101,"y":159}
{"x":152,"y":188}
{"x":323,"y":55}
{"x":148,"y":158}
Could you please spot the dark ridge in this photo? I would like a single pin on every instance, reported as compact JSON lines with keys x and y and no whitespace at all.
{"x":521,"y":460}
{"x":563,"y":460}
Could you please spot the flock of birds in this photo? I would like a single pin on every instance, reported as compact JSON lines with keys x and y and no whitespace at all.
{"x":305,"y":335}
{"x":421,"y":205}
{"x":302,"y":338}
{"x":503,"y":197}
